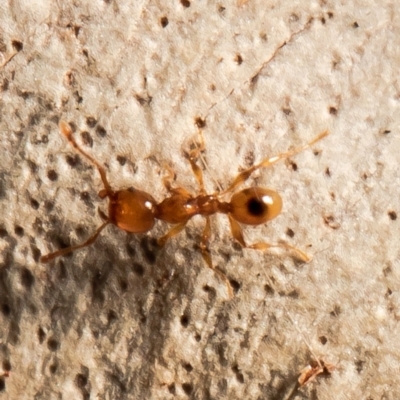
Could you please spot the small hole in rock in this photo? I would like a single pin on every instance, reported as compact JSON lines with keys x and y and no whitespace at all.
{"x":184,"y":320}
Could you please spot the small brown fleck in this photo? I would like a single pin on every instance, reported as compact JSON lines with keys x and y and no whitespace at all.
{"x":53,"y":344}
{"x":292,"y":165}
{"x":91,"y":122}
{"x":121,"y":160}
{"x":77,"y":29}
{"x":323,"y":340}
{"x":185,"y":320}
{"x":238,"y":59}
{"x":187,"y":388}
{"x":41,"y":335}
{"x":164,"y":21}
{"x":17,"y":45}
{"x":333,"y":110}
{"x":392,"y":215}
{"x":235,"y":285}
{"x":185,"y":3}
{"x":19,"y":231}
{"x":78,"y":98}
{"x":327,"y":171}
{"x":290,"y":232}
{"x":101,"y":131}
{"x":200,"y":122}
{"x":6,"y":365}
{"x":53,"y":368}
{"x":355,"y":24}
{"x":269,"y":290}
{"x":330,"y":221}
{"x":34,"y":204}
{"x":72,"y":161}
{"x":5,"y":309}
{"x":336,"y":311}
{"x":52,"y":175}
{"x":86,"y":138}
{"x":4,"y":85}
{"x":188,"y":367}
{"x":172,"y":389}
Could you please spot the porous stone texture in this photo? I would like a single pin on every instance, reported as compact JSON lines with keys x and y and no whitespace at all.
{"x":123,"y":319}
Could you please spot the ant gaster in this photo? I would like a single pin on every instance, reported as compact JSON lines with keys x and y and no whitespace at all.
{"x":136,"y":211}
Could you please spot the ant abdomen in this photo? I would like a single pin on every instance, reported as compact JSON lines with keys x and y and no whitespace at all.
{"x":132,"y":210}
{"x":255,"y":205}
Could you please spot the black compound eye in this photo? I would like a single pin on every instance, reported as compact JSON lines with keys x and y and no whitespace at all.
{"x":255,"y":206}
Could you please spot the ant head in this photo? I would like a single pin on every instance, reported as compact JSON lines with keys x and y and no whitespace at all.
{"x":255,"y":205}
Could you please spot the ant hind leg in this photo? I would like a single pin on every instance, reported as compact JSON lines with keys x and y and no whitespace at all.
{"x":66,"y":131}
{"x":238,"y":235}
{"x":63,"y":252}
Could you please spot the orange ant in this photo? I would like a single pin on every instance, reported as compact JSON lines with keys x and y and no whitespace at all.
{"x":136,"y":211}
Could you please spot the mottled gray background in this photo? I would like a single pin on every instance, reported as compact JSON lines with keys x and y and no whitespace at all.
{"x":126,"y":320}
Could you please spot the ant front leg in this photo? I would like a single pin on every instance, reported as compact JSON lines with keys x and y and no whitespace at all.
{"x":192,"y":157}
{"x":238,"y":235}
{"x":244,"y":175}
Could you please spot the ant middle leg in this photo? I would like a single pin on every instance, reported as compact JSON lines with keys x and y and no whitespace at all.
{"x":171,"y":233}
{"x":244,"y":175}
{"x":205,"y":251}
{"x":238,"y":235}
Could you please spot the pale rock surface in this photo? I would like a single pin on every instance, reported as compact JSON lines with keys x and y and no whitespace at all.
{"x":125,"y":320}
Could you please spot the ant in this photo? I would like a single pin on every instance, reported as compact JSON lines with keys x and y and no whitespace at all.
{"x":136,"y":211}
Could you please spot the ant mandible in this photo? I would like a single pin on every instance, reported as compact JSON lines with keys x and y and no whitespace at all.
{"x":136,"y":211}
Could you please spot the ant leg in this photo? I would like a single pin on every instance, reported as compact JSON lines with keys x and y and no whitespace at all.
{"x":168,"y":185}
{"x":67,"y":132}
{"x":192,"y":157}
{"x":244,"y":175}
{"x":62,"y":252}
{"x":238,"y":235}
{"x":172,"y":232}
{"x":169,"y":178}
{"x":207,"y":255}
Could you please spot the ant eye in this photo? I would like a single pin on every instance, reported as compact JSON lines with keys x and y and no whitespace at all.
{"x":255,"y":206}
